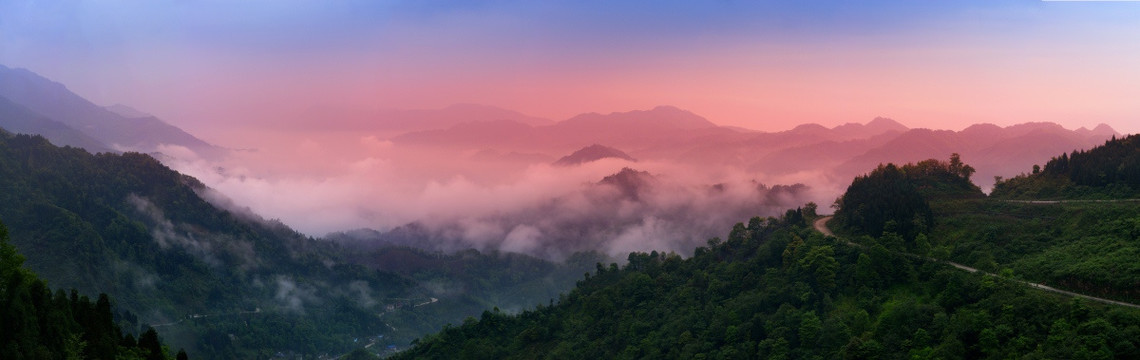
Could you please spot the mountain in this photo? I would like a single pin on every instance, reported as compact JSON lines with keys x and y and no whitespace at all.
{"x":659,"y":126}
{"x":40,"y":324}
{"x":1099,"y":130}
{"x":877,"y":126}
{"x":993,"y":151}
{"x":829,"y":154}
{"x":632,"y":184}
{"x":18,"y":119}
{"x":778,"y":289}
{"x":223,"y":282}
{"x":774,"y":289}
{"x":127,"y":111}
{"x":1108,"y":171}
{"x":54,"y":101}
{"x":593,"y":153}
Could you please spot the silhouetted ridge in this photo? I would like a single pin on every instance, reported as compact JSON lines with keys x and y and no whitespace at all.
{"x":1111,"y":170}
{"x":592,"y":153}
{"x":54,"y":101}
{"x":631,"y":183}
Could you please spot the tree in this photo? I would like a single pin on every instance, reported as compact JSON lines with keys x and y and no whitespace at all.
{"x":151,"y":346}
{"x":820,"y":261}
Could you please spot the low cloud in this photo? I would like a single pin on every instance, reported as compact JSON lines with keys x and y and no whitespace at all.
{"x":213,"y":249}
{"x":443,"y":200}
{"x":293,"y":296}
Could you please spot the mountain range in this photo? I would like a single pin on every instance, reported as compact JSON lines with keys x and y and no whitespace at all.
{"x":34,"y":104}
{"x":225,"y":283}
{"x":30,"y":103}
{"x":671,"y":134}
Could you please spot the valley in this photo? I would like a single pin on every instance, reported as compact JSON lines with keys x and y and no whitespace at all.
{"x":407,"y":179}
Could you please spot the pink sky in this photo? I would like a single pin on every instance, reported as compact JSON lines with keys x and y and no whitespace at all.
{"x":221,"y":70}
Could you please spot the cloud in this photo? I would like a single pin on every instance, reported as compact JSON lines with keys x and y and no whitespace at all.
{"x":437,"y":199}
{"x":293,"y":296}
{"x":213,"y":249}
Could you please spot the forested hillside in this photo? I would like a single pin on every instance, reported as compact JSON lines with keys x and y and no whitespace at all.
{"x":223,"y":282}
{"x":128,"y":226}
{"x":40,"y":324}
{"x":896,"y":199}
{"x":1108,"y":171}
{"x":778,"y":289}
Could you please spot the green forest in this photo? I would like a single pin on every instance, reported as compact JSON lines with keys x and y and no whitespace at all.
{"x":778,"y":289}
{"x":41,"y":324}
{"x":161,"y":261}
{"x":781,"y":290}
{"x":222,"y":282}
{"x":1109,"y":171}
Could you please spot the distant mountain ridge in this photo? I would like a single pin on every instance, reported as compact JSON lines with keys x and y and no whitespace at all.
{"x":838,"y":153}
{"x":165,"y":247}
{"x":593,"y":153}
{"x":663,"y":133}
{"x":18,"y":119}
{"x":54,"y":101}
{"x":634,"y":129}
{"x":992,"y":150}
{"x":1108,"y":171}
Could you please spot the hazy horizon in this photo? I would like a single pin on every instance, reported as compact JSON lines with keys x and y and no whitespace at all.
{"x":223,"y":70}
{"x":309,"y":83}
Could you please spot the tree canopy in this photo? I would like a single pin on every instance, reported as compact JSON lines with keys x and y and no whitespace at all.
{"x":778,"y":290}
{"x":41,"y":324}
{"x":1111,"y":170}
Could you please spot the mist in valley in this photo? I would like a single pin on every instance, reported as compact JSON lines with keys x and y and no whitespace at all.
{"x":368,"y":193}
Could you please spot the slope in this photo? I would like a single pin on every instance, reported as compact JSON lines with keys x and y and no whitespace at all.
{"x":226,"y":283}
{"x":40,"y":324}
{"x":592,"y":153}
{"x":776,"y":289}
{"x":1111,"y":170}
{"x":54,"y":101}
{"x":18,"y":119}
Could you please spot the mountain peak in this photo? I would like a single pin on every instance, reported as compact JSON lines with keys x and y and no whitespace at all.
{"x":886,"y":123}
{"x":631,"y":183}
{"x":54,"y":101}
{"x":592,"y":153}
{"x":877,"y":126}
{"x":1105,"y":130}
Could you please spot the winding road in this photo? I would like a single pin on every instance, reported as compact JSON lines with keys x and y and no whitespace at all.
{"x":197,"y":316}
{"x":821,"y":226}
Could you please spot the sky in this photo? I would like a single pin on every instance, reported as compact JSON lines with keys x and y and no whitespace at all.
{"x":221,"y":68}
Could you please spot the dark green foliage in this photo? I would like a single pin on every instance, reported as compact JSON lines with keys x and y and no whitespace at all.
{"x":360,"y":354}
{"x":1111,"y":170}
{"x":894,"y":199}
{"x":40,"y":325}
{"x":226,"y":283}
{"x":129,"y":226}
{"x":885,"y":197}
{"x":1090,"y":247}
{"x":771,"y":295}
